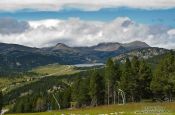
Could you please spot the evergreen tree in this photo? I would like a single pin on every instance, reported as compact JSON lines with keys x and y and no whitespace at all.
{"x":127,"y":82}
{"x":19,"y":106}
{"x":84,"y":97}
{"x":75,"y":89}
{"x":163,"y":83}
{"x":54,"y":105}
{"x":110,"y":80}
{"x":27,"y":106}
{"x":97,"y":88}
{"x":145,"y":76}
{"x":135,"y":65}
{"x":40,"y":104}
{"x":117,"y":71}
{"x":80,"y":92}
{"x":117,"y":80}
{"x":66,"y":98}
{"x":1,"y":101}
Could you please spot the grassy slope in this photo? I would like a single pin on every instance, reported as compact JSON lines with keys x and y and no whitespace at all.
{"x":55,"y":69}
{"x":6,"y":82}
{"x":128,"y":109}
{"x":43,"y":71}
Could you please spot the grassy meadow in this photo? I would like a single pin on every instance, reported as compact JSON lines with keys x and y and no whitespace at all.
{"x":55,"y":69}
{"x":128,"y":109}
{"x":7,"y":84}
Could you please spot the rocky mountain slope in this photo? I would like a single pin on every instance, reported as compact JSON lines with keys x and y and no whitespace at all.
{"x":144,"y":53}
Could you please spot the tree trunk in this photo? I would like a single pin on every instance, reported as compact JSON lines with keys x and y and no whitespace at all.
{"x":118,"y":97}
{"x":108,"y":92}
{"x":114,"y":96}
{"x":170,"y":96}
{"x":132,"y":97}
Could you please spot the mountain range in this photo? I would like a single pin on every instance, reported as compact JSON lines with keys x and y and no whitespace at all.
{"x":13,"y":56}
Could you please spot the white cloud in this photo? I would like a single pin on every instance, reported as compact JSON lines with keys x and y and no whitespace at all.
{"x":11,"y":5}
{"x":76,"y":32}
{"x":171,"y":32}
{"x":47,"y":23}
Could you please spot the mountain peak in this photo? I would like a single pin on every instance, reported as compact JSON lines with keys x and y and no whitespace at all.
{"x":113,"y":46}
{"x":61,"y":46}
{"x":110,"y":46}
{"x":136,"y":44}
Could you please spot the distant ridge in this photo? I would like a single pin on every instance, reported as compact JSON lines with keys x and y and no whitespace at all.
{"x":20,"y":57}
{"x":105,"y":46}
{"x":135,"y":44}
{"x":111,"y":46}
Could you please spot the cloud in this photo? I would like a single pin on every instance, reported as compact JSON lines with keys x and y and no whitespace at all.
{"x":54,"y":5}
{"x":9,"y":26}
{"x":76,"y":32}
{"x":171,"y":32}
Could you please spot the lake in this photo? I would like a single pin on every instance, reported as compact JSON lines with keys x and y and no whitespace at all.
{"x":89,"y":65}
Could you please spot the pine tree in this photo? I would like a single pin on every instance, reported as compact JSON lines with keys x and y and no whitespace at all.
{"x":80,"y":92}
{"x":97,"y":88}
{"x":117,"y":81}
{"x":40,"y":104}
{"x":84,"y":97}
{"x":145,"y":76}
{"x":1,"y":101}
{"x":135,"y":65}
{"x":27,"y":106}
{"x":75,"y":89}
{"x":163,"y":83}
{"x":19,"y":106}
{"x":66,"y":98}
{"x":126,"y":82}
{"x":110,"y":79}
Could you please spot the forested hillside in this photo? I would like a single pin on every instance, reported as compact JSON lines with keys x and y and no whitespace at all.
{"x":135,"y":78}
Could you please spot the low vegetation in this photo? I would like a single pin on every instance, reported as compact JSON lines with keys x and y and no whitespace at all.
{"x":128,"y":109}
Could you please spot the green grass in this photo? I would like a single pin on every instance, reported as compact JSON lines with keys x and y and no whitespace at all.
{"x":6,"y":81}
{"x":7,"y":84}
{"x":55,"y":69}
{"x":43,"y":71}
{"x":128,"y":109}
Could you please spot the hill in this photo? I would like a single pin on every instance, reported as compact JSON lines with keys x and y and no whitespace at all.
{"x":116,"y":46}
{"x":145,"y":53}
{"x":8,"y":83}
{"x":20,"y":58}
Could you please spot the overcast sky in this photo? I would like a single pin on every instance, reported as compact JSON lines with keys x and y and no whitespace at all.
{"x":42,"y":23}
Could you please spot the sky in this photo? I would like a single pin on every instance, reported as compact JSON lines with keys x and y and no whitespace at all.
{"x":44,"y":23}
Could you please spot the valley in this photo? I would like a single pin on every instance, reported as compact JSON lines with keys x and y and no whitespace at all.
{"x":39,"y":82}
{"x":21,"y":58}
